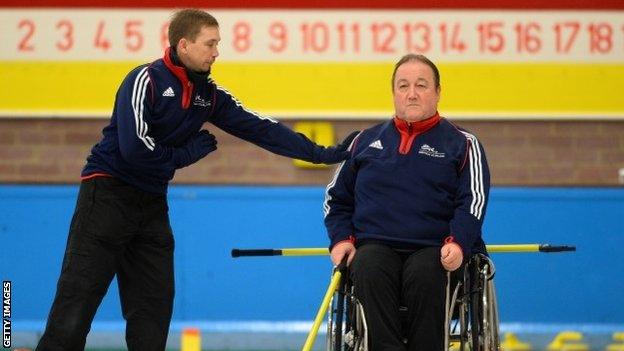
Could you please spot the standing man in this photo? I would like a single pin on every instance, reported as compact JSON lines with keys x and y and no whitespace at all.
{"x":407,"y":207}
{"x":121,"y":225}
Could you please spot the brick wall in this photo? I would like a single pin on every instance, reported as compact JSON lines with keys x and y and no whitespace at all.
{"x":519,"y":153}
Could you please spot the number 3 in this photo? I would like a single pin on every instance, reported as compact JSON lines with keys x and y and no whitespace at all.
{"x":68,"y":37}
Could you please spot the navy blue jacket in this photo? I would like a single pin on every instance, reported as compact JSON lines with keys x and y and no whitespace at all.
{"x":157,"y":109}
{"x":436,"y":188}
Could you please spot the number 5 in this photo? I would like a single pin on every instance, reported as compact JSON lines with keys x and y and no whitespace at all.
{"x":134,"y":37}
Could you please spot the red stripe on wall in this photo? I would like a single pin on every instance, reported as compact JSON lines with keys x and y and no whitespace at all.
{"x":329,"y":4}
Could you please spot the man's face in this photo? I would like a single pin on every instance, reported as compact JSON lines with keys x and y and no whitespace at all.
{"x":415,"y":93}
{"x":200,"y":54}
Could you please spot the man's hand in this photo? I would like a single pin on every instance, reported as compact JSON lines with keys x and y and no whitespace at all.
{"x":344,"y":144}
{"x":338,"y":153}
{"x":340,"y":250}
{"x":203,"y":143}
{"x":451,"y":256}
{"x":197,"y":147}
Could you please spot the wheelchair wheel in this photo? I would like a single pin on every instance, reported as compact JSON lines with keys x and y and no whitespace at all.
{"x":353,"y":333}
{"x":334,"y":333}
{"x":484,"y":333}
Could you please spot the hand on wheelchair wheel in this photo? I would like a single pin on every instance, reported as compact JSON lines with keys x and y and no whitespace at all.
{"x":341,"y":249}
{"x":451,"y":256}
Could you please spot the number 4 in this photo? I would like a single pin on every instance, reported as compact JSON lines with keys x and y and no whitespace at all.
{"x":100,"y":41}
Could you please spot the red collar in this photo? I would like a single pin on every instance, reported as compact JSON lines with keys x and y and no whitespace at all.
{"x":180,"y":73}
{"x":409,"y":130}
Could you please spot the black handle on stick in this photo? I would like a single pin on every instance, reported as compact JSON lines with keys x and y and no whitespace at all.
{"x":256,"y":252}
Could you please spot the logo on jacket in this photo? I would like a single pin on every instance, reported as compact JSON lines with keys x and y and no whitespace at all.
{"x":430,"y":151}
{"x":199,"y":101}
{"x":169,"y":92}
{"x":376,"y":144}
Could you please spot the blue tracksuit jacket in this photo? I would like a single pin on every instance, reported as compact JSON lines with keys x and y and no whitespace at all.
{"x":436,"y":189}
{"x":157,"y":109}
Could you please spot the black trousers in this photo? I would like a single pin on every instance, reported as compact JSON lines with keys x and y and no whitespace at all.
{"x":116,"y":230}
{"x":384,"y":280}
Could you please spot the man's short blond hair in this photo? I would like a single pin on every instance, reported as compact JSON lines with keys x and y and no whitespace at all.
{"x":188,"y":23}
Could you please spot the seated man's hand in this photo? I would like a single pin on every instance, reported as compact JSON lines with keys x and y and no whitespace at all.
{"x":451,"y":256}
{"x":340,"y":250}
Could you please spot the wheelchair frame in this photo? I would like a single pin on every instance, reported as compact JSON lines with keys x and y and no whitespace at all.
{"x":471,"y":312}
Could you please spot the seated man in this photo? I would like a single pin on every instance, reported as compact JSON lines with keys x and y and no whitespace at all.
{"x":411,"y":202}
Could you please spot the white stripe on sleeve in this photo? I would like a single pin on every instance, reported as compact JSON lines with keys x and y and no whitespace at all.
{"x":138,"y":97}
{"x":238,"y":103}
{"x":328,"y":198}
{"x":476,"y":176}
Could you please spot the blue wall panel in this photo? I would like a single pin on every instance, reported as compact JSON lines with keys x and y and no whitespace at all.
{"x":582,"y":287}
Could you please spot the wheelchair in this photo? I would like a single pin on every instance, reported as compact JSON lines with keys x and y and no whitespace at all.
{"x":471,"y":312}
{"x":471,"y":309}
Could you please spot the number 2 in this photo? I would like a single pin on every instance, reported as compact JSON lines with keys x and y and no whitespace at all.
{"x":24,"y":44}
